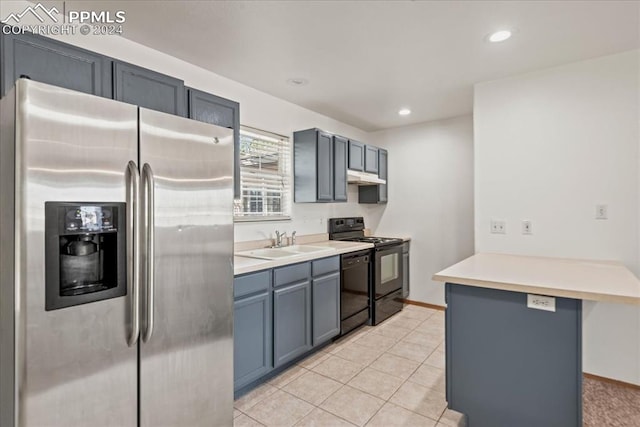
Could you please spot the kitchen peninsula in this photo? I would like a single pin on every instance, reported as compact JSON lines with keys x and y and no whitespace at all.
{"x":514,"y":335}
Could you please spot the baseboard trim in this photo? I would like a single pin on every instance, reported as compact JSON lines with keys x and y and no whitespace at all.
{"x":611,"y":381}
{"x":424,"y":304}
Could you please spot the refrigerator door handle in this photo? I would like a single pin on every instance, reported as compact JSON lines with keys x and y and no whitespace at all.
{"x":148,"y":183}
{"x":133,"y":249}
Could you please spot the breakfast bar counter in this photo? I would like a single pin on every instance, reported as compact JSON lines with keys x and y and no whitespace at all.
{"x":514,"y":335}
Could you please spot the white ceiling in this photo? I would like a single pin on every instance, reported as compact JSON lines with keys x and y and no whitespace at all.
{"x":366,"y":59}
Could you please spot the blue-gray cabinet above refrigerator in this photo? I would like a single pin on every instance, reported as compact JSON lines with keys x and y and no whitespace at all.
{"x":63,"y":65}
{"x":149,"y":89}
{"x":49,"y":61}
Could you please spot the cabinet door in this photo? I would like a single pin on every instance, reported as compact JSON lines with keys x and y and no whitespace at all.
{"x":356,"y":155}
{"x":370,"y":159}
{"x":326,"y":307}
{"x":340,"y":169}
{"x":148,"y":89}
{"x":55,"y":63}
{"x":382,"y":174}
{"x":208,"y":108}
{"x":324,"y":169}
{"x":252,"y":343}
{"x":291,"y":322}
{"x":405,"y":275}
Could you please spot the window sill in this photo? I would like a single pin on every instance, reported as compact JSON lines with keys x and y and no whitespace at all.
{"x":261,"y":219}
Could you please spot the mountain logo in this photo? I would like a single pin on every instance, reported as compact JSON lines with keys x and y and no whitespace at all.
{"x":37,"y":11}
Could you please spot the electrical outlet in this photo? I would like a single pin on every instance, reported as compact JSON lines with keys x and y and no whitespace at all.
{"x":601,"y":211}
{"x":498,"y":226}
{"x":526,"y":227}
{"x":541,"y":302}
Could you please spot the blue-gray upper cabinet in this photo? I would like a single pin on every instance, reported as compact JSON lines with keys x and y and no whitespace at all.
{"x":252,"y":327}
{"x":356,"y":155}
{"x":370,"y":159}
{"x":52,"y":62}
{"x":339,"y":169}
{"x":382,"y":174}
{"x":148,"y":89}
{"x":314,"y":167}
{"x":219,"y":111}
{"x":326,"y":307}
{"x":376,"y":193}
{"x":291,"y":321}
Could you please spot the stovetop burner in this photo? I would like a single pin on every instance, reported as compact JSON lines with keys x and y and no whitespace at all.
{"x":375,"y":240}
{"x":352,"y":230}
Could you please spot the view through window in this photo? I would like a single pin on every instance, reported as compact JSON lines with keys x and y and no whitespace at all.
{"x":265,"y":179}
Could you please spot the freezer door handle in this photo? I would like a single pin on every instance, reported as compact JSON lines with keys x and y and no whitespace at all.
{"x":148,"y":184}
{"x":133,"y":249}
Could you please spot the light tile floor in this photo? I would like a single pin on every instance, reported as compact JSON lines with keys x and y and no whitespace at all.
{"x":388,"y":375}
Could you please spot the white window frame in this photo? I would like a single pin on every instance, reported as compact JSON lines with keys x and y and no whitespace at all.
{"x":285,"y":175}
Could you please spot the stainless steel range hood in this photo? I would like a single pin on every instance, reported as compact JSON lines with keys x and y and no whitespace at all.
{"x":363,"y":178}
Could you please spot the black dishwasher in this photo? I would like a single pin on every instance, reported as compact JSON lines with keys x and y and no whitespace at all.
{"x":354,"y":290}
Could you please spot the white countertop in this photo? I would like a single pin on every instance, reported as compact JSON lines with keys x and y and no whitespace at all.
{"x":569,"y":278}
{"x":242,"y":265}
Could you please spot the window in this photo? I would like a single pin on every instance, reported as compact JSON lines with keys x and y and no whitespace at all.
{"x":265,"y":180}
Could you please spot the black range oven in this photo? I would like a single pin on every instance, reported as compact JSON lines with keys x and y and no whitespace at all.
{"x":385,"y":272}
{"x":387,"y":282}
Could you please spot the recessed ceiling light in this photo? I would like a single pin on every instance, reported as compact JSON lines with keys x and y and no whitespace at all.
{"x":404,"y":112}
{"x":297,"y":81}
{"x":499,"y":36}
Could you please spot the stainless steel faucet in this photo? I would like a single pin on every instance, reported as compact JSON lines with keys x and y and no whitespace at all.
{"x":293,"y":237}
{"x":279,"y":237}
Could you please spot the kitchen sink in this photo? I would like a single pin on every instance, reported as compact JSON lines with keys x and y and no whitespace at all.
{"x":268,"y":253}
{"x":308,"y":248}
{"x":284,"y":252}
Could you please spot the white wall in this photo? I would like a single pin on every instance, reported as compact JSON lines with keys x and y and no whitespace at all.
{"x":258,"y":110}
{"x":430,"y":197}
{"x":549,"y":146}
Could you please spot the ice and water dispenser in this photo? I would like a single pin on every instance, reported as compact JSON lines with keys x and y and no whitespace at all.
{"x":85,"y":253}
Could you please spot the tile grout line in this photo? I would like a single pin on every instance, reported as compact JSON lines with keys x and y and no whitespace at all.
{"x":361,"y":368}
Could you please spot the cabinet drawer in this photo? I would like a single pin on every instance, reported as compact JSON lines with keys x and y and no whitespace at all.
{"x":291,"y":273}
{"x":250,"y":283}
{"x":325,"y":265}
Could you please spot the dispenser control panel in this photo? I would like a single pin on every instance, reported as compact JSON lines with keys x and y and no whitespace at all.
{"x":90,"y":219}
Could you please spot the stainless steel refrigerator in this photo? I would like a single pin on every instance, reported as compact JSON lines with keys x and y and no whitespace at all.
{"x":116,"y":275}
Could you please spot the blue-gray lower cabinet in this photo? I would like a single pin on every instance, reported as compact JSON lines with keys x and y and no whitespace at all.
{"x":291,"y":321}
{"x":509,"y":365}
{"x":326,"y":307}
{"x":252,"y":341}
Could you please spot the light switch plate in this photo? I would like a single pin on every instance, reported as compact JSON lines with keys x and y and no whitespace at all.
{"x":541,"y":302}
